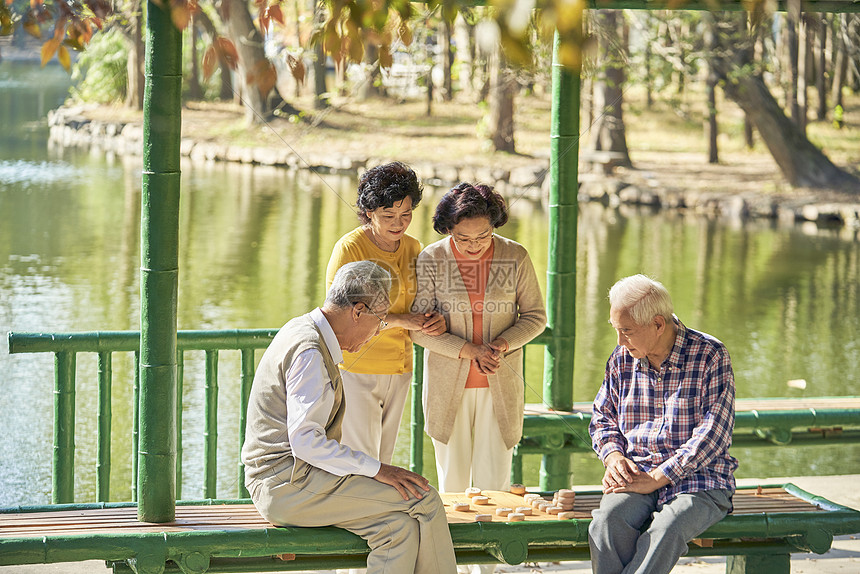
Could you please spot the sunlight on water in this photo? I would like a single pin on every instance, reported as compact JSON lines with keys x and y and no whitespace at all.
{"x":25,"y":174}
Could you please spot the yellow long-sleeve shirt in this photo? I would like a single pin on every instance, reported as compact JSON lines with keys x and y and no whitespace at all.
{"x":390,"y":352}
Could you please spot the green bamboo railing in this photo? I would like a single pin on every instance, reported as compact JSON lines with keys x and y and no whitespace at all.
{"x":558,"y":434}
{"x":66,"y":347}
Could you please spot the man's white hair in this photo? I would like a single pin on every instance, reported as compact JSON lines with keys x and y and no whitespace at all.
{"x":359,"y":282}
{"x":642,"y":297}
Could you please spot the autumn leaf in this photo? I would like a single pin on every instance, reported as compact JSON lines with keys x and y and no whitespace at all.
{"x":180,"y":16}
{"x":60,"y":29}
{"x":32,"y":28}
{"x":6,"y":27}
{"x":297,"y":68}
{"x":49,"y":48}
{"x":331,"y":41}
{"x":405,"y":34}
{"x":227,"y":50}
{"x":209,"y":59}
{"x":264,"y":76}
{"x":64,"y":57}
{"x":356,"y":48}
{"x":74,"y":44}
{"x":276,"y":14}
{"x":385,"y":58}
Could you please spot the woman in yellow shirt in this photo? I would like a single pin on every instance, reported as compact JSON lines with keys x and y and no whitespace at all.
{"x":376,"y":379}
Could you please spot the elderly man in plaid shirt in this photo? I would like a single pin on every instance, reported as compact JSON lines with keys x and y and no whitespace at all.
{"x":662,"y":425}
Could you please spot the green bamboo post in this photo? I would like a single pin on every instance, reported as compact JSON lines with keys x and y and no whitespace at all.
{"x":246,"y":380}
{"x":63,"y":477}
{"x":135,"y":423}
{"x":104,"y":425}
{"x":159,"y":267}
{"x":210,"y":422}
{"x":416,"y":455}
{"x":180,"y":378}
{"x":561,"y":262}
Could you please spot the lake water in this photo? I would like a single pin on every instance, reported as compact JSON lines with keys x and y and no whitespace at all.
{"x":254,"y":243}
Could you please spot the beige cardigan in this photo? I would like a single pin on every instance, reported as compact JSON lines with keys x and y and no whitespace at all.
{"x":513,"y":310}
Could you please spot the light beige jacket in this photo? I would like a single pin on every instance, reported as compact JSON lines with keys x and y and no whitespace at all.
{"x":513,"y":310}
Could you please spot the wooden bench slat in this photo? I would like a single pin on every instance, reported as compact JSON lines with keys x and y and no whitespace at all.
{"x":245,"y":516}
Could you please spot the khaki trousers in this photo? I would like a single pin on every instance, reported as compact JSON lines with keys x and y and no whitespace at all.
{"x":403,"y":535}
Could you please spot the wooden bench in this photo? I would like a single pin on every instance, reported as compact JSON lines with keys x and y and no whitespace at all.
{"x":768,"y":524}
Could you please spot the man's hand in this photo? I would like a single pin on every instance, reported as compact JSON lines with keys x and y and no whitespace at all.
{"x":642,"y":483}
{"x":405,"y":481}
{"x":620,"y":471}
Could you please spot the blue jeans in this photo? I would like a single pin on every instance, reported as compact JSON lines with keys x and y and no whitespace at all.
{"x":620,"y":546}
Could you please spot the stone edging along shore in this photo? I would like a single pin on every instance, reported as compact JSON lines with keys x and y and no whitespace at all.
{"x":69,"y":127}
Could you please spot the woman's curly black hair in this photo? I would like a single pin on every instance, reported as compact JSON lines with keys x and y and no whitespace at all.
{"x":385,"y":185}
{"x":466,"y":201}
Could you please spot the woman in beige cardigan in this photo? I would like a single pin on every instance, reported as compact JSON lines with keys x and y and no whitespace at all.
{"x":486,"y":288}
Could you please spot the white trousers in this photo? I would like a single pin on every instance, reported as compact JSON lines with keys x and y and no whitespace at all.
{"x":475,"y":455}
{"x":374,"y":406}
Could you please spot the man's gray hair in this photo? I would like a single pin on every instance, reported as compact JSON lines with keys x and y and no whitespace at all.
{"x":359,"y":282}
{"x":642,"y":297}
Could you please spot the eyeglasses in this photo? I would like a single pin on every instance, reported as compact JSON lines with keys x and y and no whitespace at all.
{"x":488,"y":235}
{"x":382,"y":324}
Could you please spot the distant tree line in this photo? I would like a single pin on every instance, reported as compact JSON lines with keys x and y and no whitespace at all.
{"x":782,"y":69}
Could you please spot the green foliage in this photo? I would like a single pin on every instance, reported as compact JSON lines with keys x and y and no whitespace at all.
{"x":101,"y":69}
{"x":838,"y":117}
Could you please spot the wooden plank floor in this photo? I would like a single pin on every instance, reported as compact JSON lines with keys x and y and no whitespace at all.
{"x":741,"y":405}
{"x":245,"y":516}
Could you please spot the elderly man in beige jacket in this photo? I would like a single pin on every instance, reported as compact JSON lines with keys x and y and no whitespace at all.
{"x":296,"y":469}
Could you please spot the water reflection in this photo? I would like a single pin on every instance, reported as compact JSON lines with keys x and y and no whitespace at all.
{"x":254,"y":243}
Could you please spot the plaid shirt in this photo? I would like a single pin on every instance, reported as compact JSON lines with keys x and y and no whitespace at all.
{"x":678,"y":417}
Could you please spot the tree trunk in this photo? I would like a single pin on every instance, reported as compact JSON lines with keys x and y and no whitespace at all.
{"x":803,"y":44}
{"x":370,"y":87}
{"x":802,"y":164}
{"x":711,"y":88}
{"x":822,"y":24}
{"x":255,"y":70}
{"x":680,"y":36}
{"x":430,"y":92}
{"x":465,"y":38}
{"x":501,"y":96}
{"x":319,"y":67}
{"x":840,"y":65}
{"x":607,"y":132}
{"x":195,"y":90}
{"x":757,"y":55}
{"x":649,"y":82}
{"x":136,"y":81}
{"x":446,"y":56}
{"x":792,"y":23}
